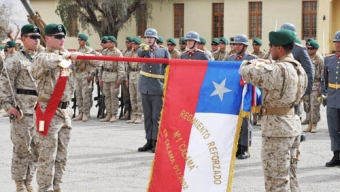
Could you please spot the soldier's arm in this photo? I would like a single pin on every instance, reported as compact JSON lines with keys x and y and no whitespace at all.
{"x":121,"y":68}
{"x":8,"y":83}
{"x":324,"y":80}
{"x":307,"y":65}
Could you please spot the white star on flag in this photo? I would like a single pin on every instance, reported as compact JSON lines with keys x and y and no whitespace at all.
{"x":220,"y":89}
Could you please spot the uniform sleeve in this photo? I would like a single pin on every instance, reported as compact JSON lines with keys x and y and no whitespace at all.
{"x":141,"y":53}
{"x":307,"y":65}
{"x":261,"y":74}
{"x":121,"y":68}
{"x":45,"y":62}
{"x":324,"y":80}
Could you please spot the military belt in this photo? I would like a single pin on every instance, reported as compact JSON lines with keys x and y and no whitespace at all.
{"x":110,"y":70}
{"x":334,"y":86}
{"x":27,"y":92}
{"x":152,"y":75}
{"x":136,"y":69}
{"x":277,"y":111}
{"x":61,"y":105}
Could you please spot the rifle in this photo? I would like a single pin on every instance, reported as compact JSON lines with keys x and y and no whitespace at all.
{"x":100,"y":100}
{"x":74,"y":106}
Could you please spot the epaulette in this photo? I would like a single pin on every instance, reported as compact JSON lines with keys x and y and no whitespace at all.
{"x":200,"y":50}
{"x":298,"y":44}
{"x":330,"y":55}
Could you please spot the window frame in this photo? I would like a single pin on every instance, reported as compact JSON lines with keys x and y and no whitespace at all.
{"x":313,"y":15}
{"x":178,"y":32}
{"x":217,"y":27}
{"x":258,"y":21}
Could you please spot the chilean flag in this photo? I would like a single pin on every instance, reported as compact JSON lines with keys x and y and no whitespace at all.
{"x":199,"y":127}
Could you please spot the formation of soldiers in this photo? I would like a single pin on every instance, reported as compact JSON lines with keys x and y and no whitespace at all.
{"x":34,"y":75}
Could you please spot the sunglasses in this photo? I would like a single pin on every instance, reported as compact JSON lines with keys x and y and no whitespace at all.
{"x":104,"y":42}
{"x":170,"y":44}
{"x":310,"y":48}
{"x":58,"y":36}
{"x":33,"y":36}
{"x":232,"y":44}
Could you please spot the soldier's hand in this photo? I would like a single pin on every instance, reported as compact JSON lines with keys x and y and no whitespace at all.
{"x":144,"y":47}
{"x":101,"y":83}
{"x":89,"y":79}
{"x":14,"y":111}
{"x":74,"y":55}
{"x":117,"y":84}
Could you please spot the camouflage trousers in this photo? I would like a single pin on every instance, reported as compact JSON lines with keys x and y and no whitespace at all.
{"x":111,"y":97}
{"x":24,"y":151}
{"x":136,"y":103}
{"x":52,"y":151}
{"x":311,"y":106}
{"x":84,"y":93}
{"x":279,"y":162}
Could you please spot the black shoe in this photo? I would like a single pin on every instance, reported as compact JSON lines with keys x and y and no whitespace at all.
{"x":154,"y":142}
{"x":335,"y":161}
{"x":243,"y":153}
{"x":146,"y":147}
{"x":238,"y":152}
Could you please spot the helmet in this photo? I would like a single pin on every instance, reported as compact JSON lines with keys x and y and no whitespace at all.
{"x":151,"y":32}
{"x":192,"y":35}
{"x":241,"y":38}
{"x":289,"y":26}
{"x":336,"y":36}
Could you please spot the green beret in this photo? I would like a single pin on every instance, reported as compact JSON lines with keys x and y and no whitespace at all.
{"x":231,"y":39}
{"x":112,"y":38}
{"x":224,"y":40}
{"x":203,"y":41}
{"x":313,"y":44}
{"x":137,"y":40}
{"x":105,"y":38}
{"x":160,"y":39}
{"x":87,"y":44}
{"x":51,"y":29}
{"x":215,"y":40}
{"x":29,"y":28}
{"x":309,"y":39}
{"x":257,"y":40}
{"x":129,"y":38}
{"x":11,"y":44}
{"x":83,"y":37}
{"x":281,"y":37}
{"x":172,"y":40}
{"x":297,"y":40}
{"x":182,"y":40}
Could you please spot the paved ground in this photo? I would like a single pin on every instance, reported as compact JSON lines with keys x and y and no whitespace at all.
{"x":103,"y":157}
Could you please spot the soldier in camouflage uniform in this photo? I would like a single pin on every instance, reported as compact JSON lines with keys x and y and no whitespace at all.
{"x":125,"y":89}
{"x":222,"y":53}
{"x":111,"y":77}
{"x":24,"y":151}
{"x":84,"y":74}
{"x":182,"y":45}
{"x":257,"y":43}
{"x":174,"y":53}
{"x":232,"y":46}
{"x":192,"y":38}
{"x":214,"y":45}
{"x":52,"y":139}
{"x":201,"y":45}
{"x":311,"y":103}
{"x":283,"y":83}
{"x":133,"y":71}
{"x":11,"y":45}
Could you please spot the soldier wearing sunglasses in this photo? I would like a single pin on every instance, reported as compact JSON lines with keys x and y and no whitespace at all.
{"x":174,"y":53}
{"x":19,"y":87}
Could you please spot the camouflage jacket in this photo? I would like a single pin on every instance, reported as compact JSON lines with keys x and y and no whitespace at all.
{"x":112,"y":70}
{"x":85,"y":66}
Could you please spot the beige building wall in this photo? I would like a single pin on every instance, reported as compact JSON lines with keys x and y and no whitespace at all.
{"x":198,"y":17}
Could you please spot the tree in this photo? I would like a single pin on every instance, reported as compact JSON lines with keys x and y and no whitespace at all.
{"x":106,"y":17}
{"x":5,"y":22}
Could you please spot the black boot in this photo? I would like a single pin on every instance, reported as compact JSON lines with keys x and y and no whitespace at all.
{"x":243,"y":153}
{"x":335,"y":161}
{"x":146,"y":147}
{"x":238,"y":152}
{"x":154,"y":142}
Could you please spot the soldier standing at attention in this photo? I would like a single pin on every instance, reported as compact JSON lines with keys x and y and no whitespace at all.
{"x":104,"y":43}
{"x":125,"y":89}
{"x":55,"y":87}
{"x":150,"y":85}
{"x":310,"y":101}
{"x":11,"y":45}
{"x":244,"y":142}
{"x":201,"y":45}
{"x":84,"y":73}
{"x":19,"y":87}
{"x":331,"y":90}
{"x":174,"y":53}
{"x":182,"y":45}
{"x":232,"y":46}
{"x":112,"y":75}
{"x":257,"y":43}
{"x":222,"y":53}
{"x":214,"y":45}
{"x":192,"y":38}
{"x":283,"y":83}
{"x":133,"y":71}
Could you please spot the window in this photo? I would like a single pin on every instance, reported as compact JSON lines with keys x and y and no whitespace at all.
{"x":218,"y":20}
{"x":141,"y":20}
{"x":178,"y":20}
{"x":71,"y":26}
{"x":309,"y":13}
{"x":255,"y":20}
